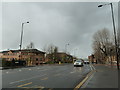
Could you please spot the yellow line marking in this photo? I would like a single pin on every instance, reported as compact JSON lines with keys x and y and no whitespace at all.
{"x":44,"y":78}
{"x":37,"y":86}
{"x":24,"y":84}
{"x":84,"y":80}
{"x":25,"y":87}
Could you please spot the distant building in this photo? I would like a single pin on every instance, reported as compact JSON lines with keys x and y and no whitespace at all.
{"x":92,"y":59}
{"x":111,"y":59}
{"x":60,"y":56}
{"x":29,"y":56}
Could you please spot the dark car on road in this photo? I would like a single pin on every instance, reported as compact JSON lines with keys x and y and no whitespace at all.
{"x":86,"y":62}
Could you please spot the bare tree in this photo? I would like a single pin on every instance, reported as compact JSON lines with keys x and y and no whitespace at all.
{"x":30,"y":46}
{"x":52,"y":51}
{"x":118,"y":43}
{"x":102,"y":45}
{"x":118,"y":38}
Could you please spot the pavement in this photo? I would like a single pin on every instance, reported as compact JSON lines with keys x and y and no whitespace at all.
{"x":44,"y":76}
{"x":104,"y":76}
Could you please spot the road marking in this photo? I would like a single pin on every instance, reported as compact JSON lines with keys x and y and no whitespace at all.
{"x":92,"y":67}
{"x":36,"y":86}
{"x":84,"y":80}
{"x":7,"y":72}
{"x":44,"y":78}
{"x":29,"y":69}
{"x":26,"y":79}
{"x":72,"y":72}
{"x":20,"y":70}
{"x":24,"y":84}
{"x":86,"y":83}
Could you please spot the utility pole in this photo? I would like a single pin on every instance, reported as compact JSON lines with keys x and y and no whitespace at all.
{"x":115,"y":35}
{"x":22,"y":34}
{"x":21,"y":37}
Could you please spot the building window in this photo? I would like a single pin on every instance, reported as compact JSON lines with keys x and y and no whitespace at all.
{"x":40,"y":59}
{"x":36,"y":59}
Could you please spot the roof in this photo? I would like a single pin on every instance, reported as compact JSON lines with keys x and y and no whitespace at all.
{"x":62,"y":53}
{"x":24,"y":50}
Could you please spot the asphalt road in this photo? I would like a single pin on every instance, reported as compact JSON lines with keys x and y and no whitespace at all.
{"x":44,"y":76}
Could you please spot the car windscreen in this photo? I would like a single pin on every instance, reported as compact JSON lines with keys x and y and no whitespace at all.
{"x":78,"y":61}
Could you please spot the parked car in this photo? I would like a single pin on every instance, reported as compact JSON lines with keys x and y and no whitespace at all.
{"x":78,"y":63}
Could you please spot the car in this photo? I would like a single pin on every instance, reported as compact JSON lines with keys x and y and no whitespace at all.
{"x":86,"y":62}
{"x":78,"y":63}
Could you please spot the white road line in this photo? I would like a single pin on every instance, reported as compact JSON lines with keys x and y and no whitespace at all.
{"x":91,"y":67}
{"x":20,"y":70}
{"x":7,"y":72}
{"x":26,"y":79}
{"x":72,"y":72}
{"x":29,"y":69}
{"x":94,"y":68}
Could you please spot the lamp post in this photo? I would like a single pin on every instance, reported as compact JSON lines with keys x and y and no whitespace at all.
{"x":116,"y":50}
{"x":66,"y":47}
{"x":22,"y":34}
{"x":66,"y":50}
{"x":75,"y":52}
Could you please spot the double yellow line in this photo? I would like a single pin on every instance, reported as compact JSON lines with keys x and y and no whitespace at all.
{"x":84,"y":80}
{"x":24,"y":84}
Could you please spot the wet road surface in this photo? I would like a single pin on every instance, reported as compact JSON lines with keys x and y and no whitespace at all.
{"x":44,"y":76}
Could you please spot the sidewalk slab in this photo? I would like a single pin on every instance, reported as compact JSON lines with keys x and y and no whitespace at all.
{"x":104,"y":77}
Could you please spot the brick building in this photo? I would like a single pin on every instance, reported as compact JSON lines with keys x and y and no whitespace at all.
{"x":29,"y":56}
{"x":60,"y":56}
{"x":92,"y":59}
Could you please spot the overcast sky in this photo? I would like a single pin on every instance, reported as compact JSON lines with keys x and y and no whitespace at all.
{"x":55,"y":23}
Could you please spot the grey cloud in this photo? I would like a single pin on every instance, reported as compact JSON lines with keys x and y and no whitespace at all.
{"x":55,"y":23}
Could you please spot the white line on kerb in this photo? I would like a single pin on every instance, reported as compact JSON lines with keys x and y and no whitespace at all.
{"x":26,"y":79}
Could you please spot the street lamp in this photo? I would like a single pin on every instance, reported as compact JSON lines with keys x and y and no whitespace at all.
{"x":66,"y":50}
{"x":66,"y":47}
{"x":75,"y":52}
{"x":114,"y":32}
{"x":22,"y":34}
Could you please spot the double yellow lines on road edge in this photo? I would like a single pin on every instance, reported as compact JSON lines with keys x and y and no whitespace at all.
{"x":84,"y":80}
{"x":24,"y":84}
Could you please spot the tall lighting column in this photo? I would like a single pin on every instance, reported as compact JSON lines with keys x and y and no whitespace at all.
{"x":22,"y":34}
{"x":115,"y":35}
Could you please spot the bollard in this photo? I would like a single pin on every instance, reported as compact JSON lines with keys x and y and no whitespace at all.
{"x":59,"y":62}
